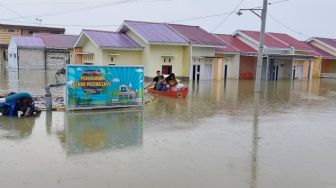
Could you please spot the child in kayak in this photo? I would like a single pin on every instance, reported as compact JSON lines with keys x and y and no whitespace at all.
{"x":161,"y":84}
{"x":174,"y":85}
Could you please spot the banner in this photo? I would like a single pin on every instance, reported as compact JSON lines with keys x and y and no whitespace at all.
{"x":90,"y":87}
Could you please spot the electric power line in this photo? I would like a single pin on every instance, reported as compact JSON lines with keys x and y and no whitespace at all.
{"x":286,"y":26}
{"x":16,"y":13}
{"x":228,"y":16}
{"x":91,"y":7}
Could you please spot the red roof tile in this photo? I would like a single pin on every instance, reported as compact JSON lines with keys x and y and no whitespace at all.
{"x":236,"y":44}
{"x":269,"y":40}
{"x":197,"y":35}
{"x":298,"y":45}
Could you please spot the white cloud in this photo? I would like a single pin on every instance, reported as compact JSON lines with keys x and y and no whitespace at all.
{"x":115,"y":80}
{"x":79,"y":69}
{"x":139,"y":70}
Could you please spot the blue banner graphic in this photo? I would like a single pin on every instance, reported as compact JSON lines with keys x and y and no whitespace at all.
{"x":90,"y":87}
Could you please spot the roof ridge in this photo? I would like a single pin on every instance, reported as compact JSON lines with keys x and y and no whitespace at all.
{"x":36,"y":34}
{"x":147,"y":22}
{"x":216,"y":35}
{"x":185,"y":25}
{"x":101,"y":31}
{"x":276,"y":38}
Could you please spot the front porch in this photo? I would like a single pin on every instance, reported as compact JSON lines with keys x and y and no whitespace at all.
{"x":287,"y":67}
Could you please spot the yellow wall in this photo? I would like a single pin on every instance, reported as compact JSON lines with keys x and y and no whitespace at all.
{"x":217,"y":70}
{"x":124,"y":57}
{"x":97,"y":57}
{"x":155,"y":60}
{"x":317,"y":67}
{"x":103,"y":56}
{"x":305,"y":64}
{"x":152,"y":57}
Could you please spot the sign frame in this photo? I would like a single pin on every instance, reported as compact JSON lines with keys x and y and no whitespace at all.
{"x":68,"y":108}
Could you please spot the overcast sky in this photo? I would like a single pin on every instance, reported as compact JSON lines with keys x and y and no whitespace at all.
{"x":299,"y":18}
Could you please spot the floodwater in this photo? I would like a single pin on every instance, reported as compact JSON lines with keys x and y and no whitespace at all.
{"x":222,"y":135}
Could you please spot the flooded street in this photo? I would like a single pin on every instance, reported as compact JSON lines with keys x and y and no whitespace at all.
{"x":222,"y":135}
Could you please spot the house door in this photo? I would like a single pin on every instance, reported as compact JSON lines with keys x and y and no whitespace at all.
{"x":208,"y":72}
{"x":275,"y":72}
{"x":294,"y":72}
{"x":196,"y":72}
{"x":167,"y":69}
{"x":299,"y":71}
{"x":225,"y":71}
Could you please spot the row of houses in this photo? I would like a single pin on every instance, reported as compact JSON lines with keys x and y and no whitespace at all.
{"x":41,"y":51}
{"x":188,"y":51}
{"x":8,"y":31}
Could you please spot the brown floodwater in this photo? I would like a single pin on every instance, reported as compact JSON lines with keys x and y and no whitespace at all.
{"x":221,"y":135}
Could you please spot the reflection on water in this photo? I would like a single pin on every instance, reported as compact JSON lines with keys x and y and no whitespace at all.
{"x":86,"y":132}
{"x":11,"y":128}
{"x":221,"y":135}
{"x":33,"y":81}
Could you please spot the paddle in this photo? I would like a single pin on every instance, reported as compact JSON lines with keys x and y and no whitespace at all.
{"x":149,"y":86}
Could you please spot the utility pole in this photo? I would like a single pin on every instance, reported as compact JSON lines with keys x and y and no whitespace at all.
{"x":261,"y":48}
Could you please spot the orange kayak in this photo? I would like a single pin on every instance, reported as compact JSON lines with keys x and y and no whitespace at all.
{"x":182,"y":93}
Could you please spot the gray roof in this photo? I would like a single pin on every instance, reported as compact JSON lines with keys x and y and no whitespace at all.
{"x":155,"y":32}
{"x":28,"y":42}
{"x":57,"y":41}
{"x":108,"y":39}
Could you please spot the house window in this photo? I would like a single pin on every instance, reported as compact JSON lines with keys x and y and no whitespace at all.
{"x":5,"y":55}
{"x":167,"y":60}
{"x":14,"y":55}
{"x":112,"y":59}
{"x":167,"y":69}
{"x":10,"y":55}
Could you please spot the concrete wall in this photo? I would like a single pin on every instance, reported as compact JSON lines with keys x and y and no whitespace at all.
{"x":12,"y":61}
{"x":31,"y":59}
{"x":285,"y":68}
{"x":56,"y":60}
{"x":247,"y":67}
{"x":72,"y":56}
{"x":232,"y":62}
